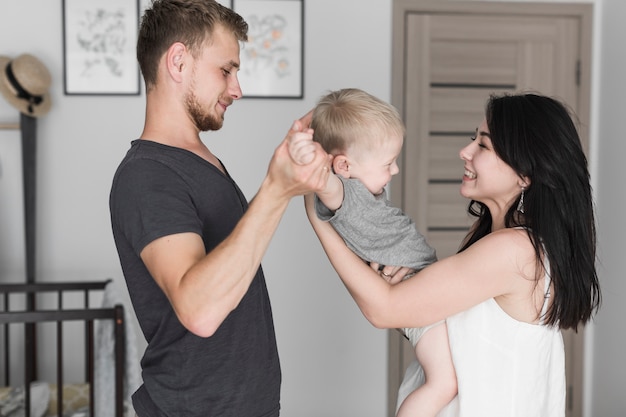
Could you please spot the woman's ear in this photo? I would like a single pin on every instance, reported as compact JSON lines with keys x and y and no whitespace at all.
{"x":524,"y":181}
{"x":341,"y":165}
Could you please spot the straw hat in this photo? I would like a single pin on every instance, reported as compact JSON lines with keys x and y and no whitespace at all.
{"x":24,"y":82}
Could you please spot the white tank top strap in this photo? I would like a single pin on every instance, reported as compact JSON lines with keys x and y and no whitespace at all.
{"x":546,"y":292}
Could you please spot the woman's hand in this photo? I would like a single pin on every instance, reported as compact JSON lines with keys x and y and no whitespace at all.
{"x":391,"y":274}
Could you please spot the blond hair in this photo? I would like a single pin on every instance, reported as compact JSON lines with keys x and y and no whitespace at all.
{"x":351,"y":116}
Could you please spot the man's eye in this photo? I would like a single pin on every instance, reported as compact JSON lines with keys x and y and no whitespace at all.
{"x":225,"y":71}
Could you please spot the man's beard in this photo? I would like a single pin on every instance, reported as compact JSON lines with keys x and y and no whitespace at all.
{"x":203,"y":120}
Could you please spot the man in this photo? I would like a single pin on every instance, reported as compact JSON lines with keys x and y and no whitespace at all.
{"x":189,"y":245}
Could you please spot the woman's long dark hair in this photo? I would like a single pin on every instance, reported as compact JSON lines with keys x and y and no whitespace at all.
{"x":536,"y":136}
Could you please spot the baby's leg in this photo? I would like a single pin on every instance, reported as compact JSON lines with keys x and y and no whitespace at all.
{"x":433,"y":353}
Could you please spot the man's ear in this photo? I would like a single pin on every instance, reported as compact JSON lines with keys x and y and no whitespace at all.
{"x":341,"y":165}
{"x":176,"y":60}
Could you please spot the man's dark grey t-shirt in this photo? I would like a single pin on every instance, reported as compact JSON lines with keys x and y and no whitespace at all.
{"x":157,"y":191}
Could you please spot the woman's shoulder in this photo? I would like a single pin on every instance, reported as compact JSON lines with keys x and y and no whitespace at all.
{"x":511,"y":232}
{"x":513,"y":264}
{"x":507,"y":236}
{"x":506,"y":245}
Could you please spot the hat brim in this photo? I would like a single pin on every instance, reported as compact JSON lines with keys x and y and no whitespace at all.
{"x":19,"y":103}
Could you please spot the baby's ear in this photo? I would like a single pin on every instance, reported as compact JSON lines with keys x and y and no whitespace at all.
{"x":341,"y":165}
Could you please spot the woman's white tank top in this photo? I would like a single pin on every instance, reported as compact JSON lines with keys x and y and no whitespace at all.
{"x":504,"y":367}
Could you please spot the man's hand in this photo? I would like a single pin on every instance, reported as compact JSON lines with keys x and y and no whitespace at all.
{"x":292,"y":178}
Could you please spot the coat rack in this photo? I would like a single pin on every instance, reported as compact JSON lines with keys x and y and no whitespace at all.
{"x":28,"y":128}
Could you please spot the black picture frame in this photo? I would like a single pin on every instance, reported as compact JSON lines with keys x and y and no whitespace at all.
{"x":272,"y":61}
{"x":99,"y":41}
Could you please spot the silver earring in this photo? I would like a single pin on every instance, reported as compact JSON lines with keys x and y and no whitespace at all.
{"x":520,"y":205}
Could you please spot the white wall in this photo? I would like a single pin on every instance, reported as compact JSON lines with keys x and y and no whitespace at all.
{"x":609,"y":341}
{"x":334,"y":363}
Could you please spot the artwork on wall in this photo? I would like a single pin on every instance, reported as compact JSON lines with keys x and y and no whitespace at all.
{"x":272,"y":59}
{"x":99,"y":41}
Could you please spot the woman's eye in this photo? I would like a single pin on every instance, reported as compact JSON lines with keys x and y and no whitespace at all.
{"x":480,"y":143}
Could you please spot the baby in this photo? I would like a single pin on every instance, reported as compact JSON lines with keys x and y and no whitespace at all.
{"x":365,"y":136}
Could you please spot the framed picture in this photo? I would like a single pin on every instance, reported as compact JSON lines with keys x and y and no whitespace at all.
{"x":272,"y":61}
{"x":99,"y":41}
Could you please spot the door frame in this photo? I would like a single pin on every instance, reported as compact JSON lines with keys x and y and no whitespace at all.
{"x":584,"y":13}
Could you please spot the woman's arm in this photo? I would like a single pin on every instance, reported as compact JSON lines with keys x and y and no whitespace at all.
{"x":490,"y":268}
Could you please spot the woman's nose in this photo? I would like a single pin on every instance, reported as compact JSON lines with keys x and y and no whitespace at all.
{"x":466,"y":152}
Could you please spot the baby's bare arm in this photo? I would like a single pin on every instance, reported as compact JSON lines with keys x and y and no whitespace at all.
{"x":332,"y":194}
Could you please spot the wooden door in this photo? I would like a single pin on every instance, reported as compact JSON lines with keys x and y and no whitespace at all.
{"x":447,"y":58}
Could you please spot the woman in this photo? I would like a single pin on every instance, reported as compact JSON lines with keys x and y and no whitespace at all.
{"x":525,"y":271}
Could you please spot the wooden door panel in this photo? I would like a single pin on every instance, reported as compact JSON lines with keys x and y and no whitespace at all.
{"x":455,"y":61}
{"x":446,"y":207}
{"x":446,"y":242}
{"x":444,"y":162}
{"x":539,"y":60}
{"x":457,"y":110}
{"x":493,"y":27}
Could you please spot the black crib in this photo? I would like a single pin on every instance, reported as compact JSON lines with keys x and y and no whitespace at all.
{"x":20,"y":306}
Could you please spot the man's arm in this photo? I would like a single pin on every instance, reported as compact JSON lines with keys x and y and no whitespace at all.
{"x":204,"y":288}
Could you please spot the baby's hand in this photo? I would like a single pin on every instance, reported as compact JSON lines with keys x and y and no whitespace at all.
{"x":301,"y":147}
